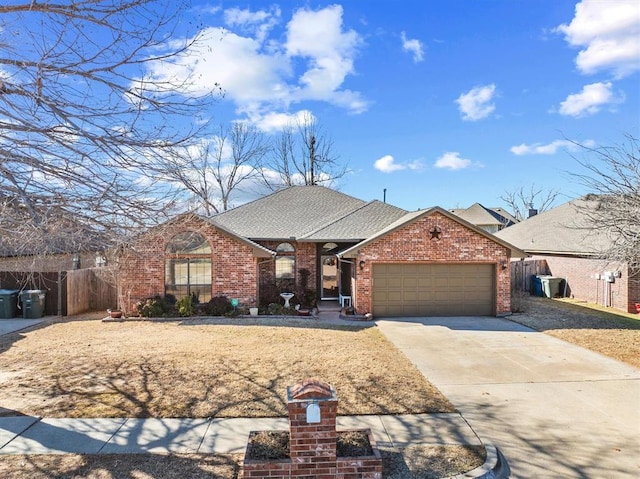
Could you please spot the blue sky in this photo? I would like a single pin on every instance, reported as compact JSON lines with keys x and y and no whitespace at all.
{"x":440,"y":102}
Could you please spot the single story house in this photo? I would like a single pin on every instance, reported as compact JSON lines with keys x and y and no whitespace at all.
{"x":562,"y":243}
{"x":376,"y":257}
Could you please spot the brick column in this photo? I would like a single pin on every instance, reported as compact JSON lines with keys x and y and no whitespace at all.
{"x":313,"y":407}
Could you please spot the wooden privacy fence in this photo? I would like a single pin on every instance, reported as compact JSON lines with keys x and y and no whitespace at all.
{"x":66,"y":292}
{"x":90,"y":290}
{"x":522,"y":271}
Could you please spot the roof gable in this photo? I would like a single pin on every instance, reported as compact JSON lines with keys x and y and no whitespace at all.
{"x":409,"y":218}
{"x":259,"y":251}
{"x":479,"y":215}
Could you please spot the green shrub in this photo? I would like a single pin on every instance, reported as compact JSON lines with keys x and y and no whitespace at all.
{"x":185,"y":306}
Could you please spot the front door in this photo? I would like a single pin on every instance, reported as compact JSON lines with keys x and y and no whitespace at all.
{"x":329,"y":277}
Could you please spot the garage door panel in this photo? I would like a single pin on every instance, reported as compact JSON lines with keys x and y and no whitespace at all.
{"x":410,"y":296}
{"x":409,"y":282}
{"x":433,"y":290}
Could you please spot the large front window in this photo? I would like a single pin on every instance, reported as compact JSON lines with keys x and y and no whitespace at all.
{"x":188,"y":267}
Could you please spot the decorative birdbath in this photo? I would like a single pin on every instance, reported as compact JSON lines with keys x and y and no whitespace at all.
{"x":287,"y":297}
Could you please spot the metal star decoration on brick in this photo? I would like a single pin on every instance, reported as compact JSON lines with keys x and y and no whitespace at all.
{"x":435,"y":233}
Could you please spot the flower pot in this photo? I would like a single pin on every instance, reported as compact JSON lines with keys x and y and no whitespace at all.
{"x":115,"y":314}
{"x":253,"y":311}
{"x":637,"y":307}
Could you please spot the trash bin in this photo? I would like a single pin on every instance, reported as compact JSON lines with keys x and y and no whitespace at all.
{"x":8,"y":303}
{"x":536,"y":285}
{"x":551,"y":286}
{"x":32,"y":303}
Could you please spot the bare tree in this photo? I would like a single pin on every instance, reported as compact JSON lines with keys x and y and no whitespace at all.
{"x":82,"y":119}
{"x":303,"y":154}
{"x":213,"y":171}
{"x":613,"y":206}
{"x":521,"y":201}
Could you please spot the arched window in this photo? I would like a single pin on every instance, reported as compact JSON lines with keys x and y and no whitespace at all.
{"x":285,"y":261}
{"x":188,"y":266}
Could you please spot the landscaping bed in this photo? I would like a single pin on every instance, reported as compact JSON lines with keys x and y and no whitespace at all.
{"x":419,"y":461}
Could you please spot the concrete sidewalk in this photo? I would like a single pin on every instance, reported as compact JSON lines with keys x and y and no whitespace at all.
{"x":17,"y":324}
{"x":33,"y":435}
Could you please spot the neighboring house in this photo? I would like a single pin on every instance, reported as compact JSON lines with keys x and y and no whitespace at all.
{"x":491,"y":220}
{"x":380,"y":258}
{"x":571,"y":249}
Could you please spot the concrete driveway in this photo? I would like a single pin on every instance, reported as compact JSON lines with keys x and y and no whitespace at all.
{"x":554,"y":409}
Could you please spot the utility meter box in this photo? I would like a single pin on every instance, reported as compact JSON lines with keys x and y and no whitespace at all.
{"x":609,"y":276}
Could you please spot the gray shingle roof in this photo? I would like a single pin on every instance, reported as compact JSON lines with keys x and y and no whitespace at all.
{"x":482,"y":216}
{"x":563,"y":229}
{"x":296,"y":211}
{"x":359,"y":224}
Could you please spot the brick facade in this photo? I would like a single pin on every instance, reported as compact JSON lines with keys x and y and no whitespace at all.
{"x":142,"y":266}
{"x":412,"y":243}
{"x":236,"y":271}
{"x":582,"y":283}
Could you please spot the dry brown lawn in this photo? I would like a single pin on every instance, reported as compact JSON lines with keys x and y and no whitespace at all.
{"x":604,"y":330}
{"x":203,"y":368}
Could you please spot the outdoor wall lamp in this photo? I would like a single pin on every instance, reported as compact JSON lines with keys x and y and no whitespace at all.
{"x":503,"y":264}
{"x":361,"y":264}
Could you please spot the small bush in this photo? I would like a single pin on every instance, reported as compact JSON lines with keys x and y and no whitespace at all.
{"x":218,"y":306}
{"x":185,"y":306}
{"x":155,"y":307}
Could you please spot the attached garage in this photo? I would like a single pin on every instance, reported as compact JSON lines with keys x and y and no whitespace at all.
{"x":411,"y":289}
{"x":431,"y":263}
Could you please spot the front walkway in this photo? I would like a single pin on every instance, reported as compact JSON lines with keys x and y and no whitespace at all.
{"x":554,"y":409}
{"x":32,"y":435}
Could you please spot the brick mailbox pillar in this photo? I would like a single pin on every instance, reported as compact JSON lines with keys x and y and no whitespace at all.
{"x":313,"y":407}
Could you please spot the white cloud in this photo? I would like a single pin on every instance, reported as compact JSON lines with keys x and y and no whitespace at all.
{"x":550,"y":148}
{"x":590,"y":100}
{"x":319,"y":37}
{"x":259,"y":72}
{"x":452,"y":161}
{"x":387,"y":164}
{"x":273,"y":122}
{"x":258,"y":23}
{"x":477,"y":103}
{"x":608,"y":34}
{"x":412,"y":46}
